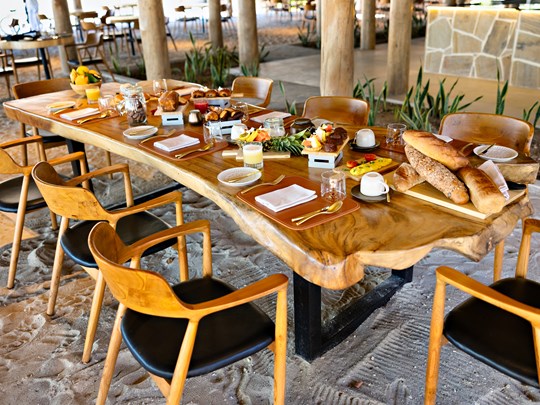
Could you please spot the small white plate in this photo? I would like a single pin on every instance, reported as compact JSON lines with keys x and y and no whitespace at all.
{"x":496,"y":153}
{"x":142,"y":132}
{"x":239,"y":171}
{"x":60,"y":105}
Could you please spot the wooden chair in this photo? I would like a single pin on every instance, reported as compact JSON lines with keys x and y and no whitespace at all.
{"x":19,"y":194}
{"x":8,"y":68}
{"x":499,"y":325}
{"x":253,"y":88}
{"x":310,"y":17}
{"x":90,"y":53}
{"x":92,"y":27}
{"x":193,"y":328}
{"x":490,"y":129}
{"x":133,"y":223}
{"x":341,"y":110}
{"x":169,"y":34}
{"x":183,"y":16}
{"x":227,"y":17}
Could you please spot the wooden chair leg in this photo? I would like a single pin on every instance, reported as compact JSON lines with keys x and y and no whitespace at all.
{"x":54,"y":222}
{"x":112,"y":356}
{"x":280,"y":352}
{"x":24,"y":157}
{"x":19,"y":225}
{"x":108,"y":160}
{"x":57,"y":268}
{"x":498,"y":261}
{"x":93,"y":319}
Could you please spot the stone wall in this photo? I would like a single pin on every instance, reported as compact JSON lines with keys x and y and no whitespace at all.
{"x":475,"y":42}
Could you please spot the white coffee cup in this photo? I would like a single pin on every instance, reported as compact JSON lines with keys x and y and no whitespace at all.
{"x":372,"y":184}
{"x":365,"y":138}
{"x":237,"y":130}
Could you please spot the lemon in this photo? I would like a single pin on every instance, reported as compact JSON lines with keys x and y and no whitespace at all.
{"x":73,"y":75}
{"x":81,"y":80}
{"x":82,"y":70}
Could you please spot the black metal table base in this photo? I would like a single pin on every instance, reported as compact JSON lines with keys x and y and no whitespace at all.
{"x":312,"y":338}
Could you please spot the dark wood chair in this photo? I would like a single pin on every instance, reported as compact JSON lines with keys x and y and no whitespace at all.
{"x":499,"y":325}
{"x":255,"y":90}
{"x":19,"y":193}
{"x":341,"y":110}
{"x":192,"y":328}
{"x":133,"y":223}
{"x":90,"y":53}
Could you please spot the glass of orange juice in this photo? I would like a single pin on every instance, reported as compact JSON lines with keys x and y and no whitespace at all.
{"x":253,"y":155}
{"x":92,"y":95}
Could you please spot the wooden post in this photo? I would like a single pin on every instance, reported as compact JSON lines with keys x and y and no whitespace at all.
{"x":399,"y":46}
{"x":77,"y":4}
{"x":248,"y":43}
{"x":154,"y":39}
{"x":62,"y":24}
{"x":367,"y":32}
{"x":214,"y":23}
{"x":337,"y":46}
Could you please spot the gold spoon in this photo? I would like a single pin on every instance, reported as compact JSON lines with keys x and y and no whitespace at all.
{"x":330,"y":209}
{"x":204,"y":148}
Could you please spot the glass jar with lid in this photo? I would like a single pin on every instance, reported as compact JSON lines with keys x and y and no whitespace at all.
{"x":134,"y":104}
{"x":300,"y":124}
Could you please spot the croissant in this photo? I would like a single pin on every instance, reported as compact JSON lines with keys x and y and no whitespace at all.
{"x":224,"y":93}
{"x":197,"y":94}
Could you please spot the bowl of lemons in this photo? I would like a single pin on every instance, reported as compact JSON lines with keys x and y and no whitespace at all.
{"x":83,"y":78}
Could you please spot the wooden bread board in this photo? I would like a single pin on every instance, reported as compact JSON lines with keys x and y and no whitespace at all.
{"x":347,"y":172}
{"x":237,"y":154}
{"x":426,"y":192}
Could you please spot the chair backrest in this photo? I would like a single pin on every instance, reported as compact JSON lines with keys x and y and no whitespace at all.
{"x":8,"y":165}
{"x":29,"y":89}
{"x":341,"y":110}
{"x":94,"y":38}
{"x":490,"y":129}
{"x":254,"y":87}
{"x":65,"y":200}
{"x":89,"y":26}
{"x":140,"y":290}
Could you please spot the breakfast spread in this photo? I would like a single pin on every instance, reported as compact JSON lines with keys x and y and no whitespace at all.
{"x":170,"y":100}
{"x":326,"y":138}
{"x":211,"y":93}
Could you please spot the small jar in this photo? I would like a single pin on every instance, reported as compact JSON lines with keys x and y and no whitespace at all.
{"x":300,"y":124}
{"x":195,"y":117}
{"x":134,"y":105}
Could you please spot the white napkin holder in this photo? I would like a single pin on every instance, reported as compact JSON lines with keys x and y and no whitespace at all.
{"x":219,"y":101}
{"x":172,"y":118}
{"x":323,"y":161}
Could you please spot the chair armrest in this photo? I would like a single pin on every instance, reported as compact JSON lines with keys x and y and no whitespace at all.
{"x":173,"y":196}
{"x":21,"y":141}
{"x":118,"y":168}
{"x":259,"y":289}
{"x":488,"y":294}
{"x":71,"y":157}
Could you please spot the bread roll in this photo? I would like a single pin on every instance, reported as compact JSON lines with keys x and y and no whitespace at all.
{"x":169,"y":101}
{"x":431,"y":146}
{"x":224,"y":93}
{"x":485,"y":195}
{"x":437,"y":175}
{"x":197,"y":94}
{"x":405,"y":177}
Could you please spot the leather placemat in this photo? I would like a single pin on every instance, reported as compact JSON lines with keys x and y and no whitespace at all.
{"x":251,"y":123}
{"x":284,"y":217}
{"x":148,"y":144}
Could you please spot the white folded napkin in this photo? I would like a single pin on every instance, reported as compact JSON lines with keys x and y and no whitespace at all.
{"x":75,"y":115}
{"x":493,"y":171}
{"x":443,"y":138}
{"x":274,"y":114}
{"x":286,"y":197}
{"x":177,"y":142}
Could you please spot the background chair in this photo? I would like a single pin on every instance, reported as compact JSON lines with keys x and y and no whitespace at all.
{"x":90,"y":53}
{"x":341,"y":110}
{"x":227,"y":16}
{"x":309,"y":17}
{"x":499,"y":325}
{"x":7,"y":69}
{"x":133,"y":223}
{"x":255,"y":90}
{"x":193,"y":328}
{"x":490,"y":129}
{"x":183,"y":16}
{"x":19,"y":194}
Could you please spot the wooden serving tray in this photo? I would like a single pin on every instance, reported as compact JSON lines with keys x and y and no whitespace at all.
{"x":346,"y":171}
{"x":284,"y":217}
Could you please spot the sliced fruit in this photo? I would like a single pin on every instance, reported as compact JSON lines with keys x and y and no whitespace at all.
{"x":370,"y":157}
{"x":352,"y":163}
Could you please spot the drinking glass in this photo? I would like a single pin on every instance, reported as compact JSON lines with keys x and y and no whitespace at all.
{"x":243,"y":108}
{"x":107,"y":105}
{"x":212,"y":133}
{"x":275,"y":126}
{"x":92,"y":95}
{"x":253,"y":155}
{"x":333,"y":186}
{"x":201,"y":104}
{"x":159,"y":87}
{"x":394,"y":133}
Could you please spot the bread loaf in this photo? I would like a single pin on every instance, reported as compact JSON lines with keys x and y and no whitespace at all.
{"x":169,"y":101}
{"x":437,"y":175}
{"x":405,"y":177}
{"x":485,"y":195}
{"x":431,"y":146}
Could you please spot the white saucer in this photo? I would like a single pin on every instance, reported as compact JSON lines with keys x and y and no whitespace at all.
{"x":141,"y":132}
{"x":239,"y":171}
{"x":60,"y":105}
{"x":356,"y":193}
{"x":496,"y":153}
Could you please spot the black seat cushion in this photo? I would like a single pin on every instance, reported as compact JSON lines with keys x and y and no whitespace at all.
{"x":10,"y":193}
{"x":47,"y":137}
{"x":130,"y":229}
{"x":222,"y":338}
{"x":496,"y":337}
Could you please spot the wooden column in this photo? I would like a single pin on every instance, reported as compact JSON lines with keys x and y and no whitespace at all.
{"x":154,"y":39}
{"x":248,"y":43}
{"x":62,"y":24}
{"x":77,"y":5}
{"x":214,"y":23}
{"x":367,"y":32}
{"x":337,"y":46}
{"x":399,"y":46}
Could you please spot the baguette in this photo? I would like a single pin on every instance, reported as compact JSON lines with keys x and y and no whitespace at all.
{"x":437,"y":175}
{"x":431,"y":146}
{"x":405,"y":177}
{"x":485,"y":195}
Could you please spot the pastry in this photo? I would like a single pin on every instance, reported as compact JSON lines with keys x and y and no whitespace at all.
{"x":169,"y":101}
{"x":405,"y":177}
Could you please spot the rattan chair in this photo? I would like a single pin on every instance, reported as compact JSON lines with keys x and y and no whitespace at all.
{"x":341,"y":110}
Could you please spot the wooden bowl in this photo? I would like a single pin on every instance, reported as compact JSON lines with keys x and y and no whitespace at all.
{"x":81,"y":88}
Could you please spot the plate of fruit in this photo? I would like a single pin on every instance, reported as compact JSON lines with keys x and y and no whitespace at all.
{"x":325,"y":139}
{"x":285,"y":143}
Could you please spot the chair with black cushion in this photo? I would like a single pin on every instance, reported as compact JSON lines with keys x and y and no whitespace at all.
{"x":341,"y":110}
{"x":133,"y":223}
{"x":499,"y":325}
{"x":90,"y":53}
{"x":255,"y":90}
{"x":189,"y":329}
{"x":19,"y":194}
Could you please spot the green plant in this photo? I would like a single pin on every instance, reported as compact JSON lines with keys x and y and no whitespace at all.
{"x":196,"y":61}
{"x":263,"y":53}
{"x":366,"y":91}
{"x":305,"y":38}
{"x":219,"y":60}
{"x":443,"y":103}
{"x":116,"y":65}
{"x":527,"y":113}
{"x":501,"y":95}
{"x":250,"y":70}
{"x":291,"y":107}
{"x":417,"y":106}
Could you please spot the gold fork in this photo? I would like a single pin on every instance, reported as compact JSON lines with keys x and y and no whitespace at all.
{"x":204,"y":148}
{"x":272,"y":183}
{"x":102,"y":115}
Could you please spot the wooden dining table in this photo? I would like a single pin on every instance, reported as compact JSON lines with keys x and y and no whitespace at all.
{"x":333,"y":255}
